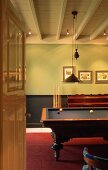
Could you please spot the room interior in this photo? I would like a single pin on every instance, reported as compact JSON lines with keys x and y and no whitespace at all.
{"x":39,"y":42}
{"x":50,"y":43}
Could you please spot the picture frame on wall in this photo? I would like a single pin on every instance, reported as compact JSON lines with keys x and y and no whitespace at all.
{"x":67,"y":71}
{"x":85,"y":76}
{"x":101,"y":76}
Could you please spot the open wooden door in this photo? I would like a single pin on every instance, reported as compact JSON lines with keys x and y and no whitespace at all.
{"x":12,"y":97}
{"x":14,"y":132}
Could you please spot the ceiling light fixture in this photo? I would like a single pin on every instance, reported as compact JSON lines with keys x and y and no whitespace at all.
{"x":72,"y":77}
{"x":29,"y":32}
{"x":67,"y":32}
{"x":105,"y":32}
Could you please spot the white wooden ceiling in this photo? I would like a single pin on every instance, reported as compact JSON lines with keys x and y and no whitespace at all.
{"x":49,"y":20}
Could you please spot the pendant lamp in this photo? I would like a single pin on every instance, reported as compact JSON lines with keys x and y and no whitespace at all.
{"x":72,"y":77}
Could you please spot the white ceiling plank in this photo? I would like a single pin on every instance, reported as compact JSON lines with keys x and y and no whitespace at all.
{"x":90,"y":12}
{"x":99,"y":29}
{"x":62,"y":13}
{"x":35,"y":18}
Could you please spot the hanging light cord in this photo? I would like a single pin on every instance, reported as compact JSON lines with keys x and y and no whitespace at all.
{"x":72,"y":77}
{"x":76,"y":45}
{"x":72,"y":39}
{"x":74,"y":33}
{"x":76,"y":54}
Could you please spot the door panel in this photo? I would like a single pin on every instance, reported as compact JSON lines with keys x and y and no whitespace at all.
{"x":12,"y":97}
{"x":14,"y":133}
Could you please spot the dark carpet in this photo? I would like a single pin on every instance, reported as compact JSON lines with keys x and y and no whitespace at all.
{"x":40,"y":156}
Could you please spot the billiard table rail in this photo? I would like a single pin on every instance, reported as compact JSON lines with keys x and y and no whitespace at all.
{"x":70,"y":114}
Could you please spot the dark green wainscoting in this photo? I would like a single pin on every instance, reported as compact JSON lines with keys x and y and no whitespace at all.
{"x":34,"y":105}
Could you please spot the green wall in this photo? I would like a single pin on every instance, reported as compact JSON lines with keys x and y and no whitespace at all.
{"x":45,"y":63}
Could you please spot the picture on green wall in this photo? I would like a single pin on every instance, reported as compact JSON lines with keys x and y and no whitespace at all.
{"x":85,"y":76}
{"x":101,"y":76}
{"x":67,"y":71}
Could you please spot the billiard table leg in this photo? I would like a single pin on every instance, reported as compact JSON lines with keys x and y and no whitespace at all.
{"x":56,"y":155}
{"x":57,"y":147}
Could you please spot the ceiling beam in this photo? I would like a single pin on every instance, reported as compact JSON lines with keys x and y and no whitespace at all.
{"x":35,"y":19}
{"x":62,"y":13}
{"x":98,"y":30}
{"x":90,"y":12}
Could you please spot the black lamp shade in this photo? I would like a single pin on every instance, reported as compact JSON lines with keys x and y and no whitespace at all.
{"x":72,"y":78}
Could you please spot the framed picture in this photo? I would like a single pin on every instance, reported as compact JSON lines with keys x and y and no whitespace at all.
{"x":85,"y":76}
{"x":101,"y":76}
{"x":67,"y":71}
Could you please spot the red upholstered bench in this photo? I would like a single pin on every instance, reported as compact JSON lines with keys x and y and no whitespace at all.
{"x":98,"y":100}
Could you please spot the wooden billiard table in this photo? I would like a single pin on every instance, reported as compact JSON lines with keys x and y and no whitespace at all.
{"x":69,"y":123}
